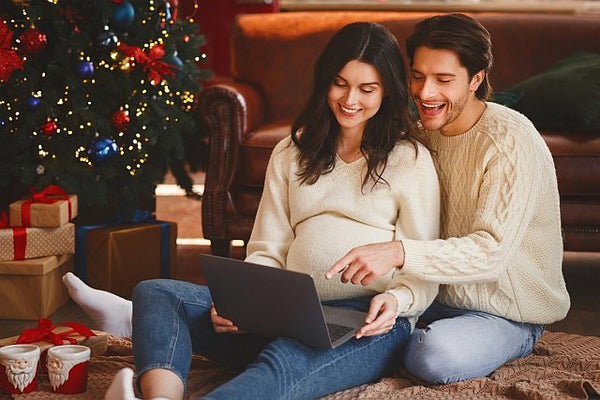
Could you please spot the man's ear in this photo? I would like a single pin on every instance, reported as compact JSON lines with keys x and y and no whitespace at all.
{"x":476,"y":80}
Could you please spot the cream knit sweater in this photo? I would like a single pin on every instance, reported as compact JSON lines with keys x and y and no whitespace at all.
{"x":307,"y":228}
{"x":501,"y":221}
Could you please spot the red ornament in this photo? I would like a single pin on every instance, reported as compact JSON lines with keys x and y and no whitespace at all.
{"x":120,"y":120}
{"x":34,"y":41}
{"x":49,"y":128}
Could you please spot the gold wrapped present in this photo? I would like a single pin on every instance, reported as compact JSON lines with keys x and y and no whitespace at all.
{"x":32,"y":289}
{"x":52,"y":212}
{"x":116,"y":257}
{"x":24,"y":243}
{"x":47,"y":335}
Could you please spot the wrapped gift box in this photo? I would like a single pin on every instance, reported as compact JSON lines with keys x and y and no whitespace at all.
{"x":32,"y":289}
{"x":43,"y":215}
{"x":25,"y":243}
{"x":98,"y":343}
{"x":116,"y":258}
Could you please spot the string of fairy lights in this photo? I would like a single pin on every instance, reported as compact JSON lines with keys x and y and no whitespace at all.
{"x":131,"y":144}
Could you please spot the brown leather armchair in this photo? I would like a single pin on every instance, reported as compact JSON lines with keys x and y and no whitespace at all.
{"x":272,"y":60}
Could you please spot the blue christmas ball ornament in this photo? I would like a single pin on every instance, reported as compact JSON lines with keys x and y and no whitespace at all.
{"x":2,"y":123}
{"x":122,"y":15}
{"x":85,"y":69}
{"x":177,"y":64}
{"x":102,"y":149}
{"x":32,"y":102}
{"x":107,"y":39}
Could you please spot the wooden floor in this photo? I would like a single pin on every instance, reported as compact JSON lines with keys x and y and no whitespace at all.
{"x":582,"y":274}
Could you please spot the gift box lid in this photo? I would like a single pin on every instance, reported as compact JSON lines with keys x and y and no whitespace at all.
{"x":33,"y":266}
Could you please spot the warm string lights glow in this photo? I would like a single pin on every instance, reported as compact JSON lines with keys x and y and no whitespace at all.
{"x":84,"y":102}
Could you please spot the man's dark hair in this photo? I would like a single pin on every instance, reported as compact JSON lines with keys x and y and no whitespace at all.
{"x":459,"y":33}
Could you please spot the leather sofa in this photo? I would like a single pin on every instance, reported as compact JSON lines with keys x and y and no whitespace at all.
{"x":271,"y":76}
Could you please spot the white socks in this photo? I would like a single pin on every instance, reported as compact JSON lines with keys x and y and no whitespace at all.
{"x":121,"y":387}
{"x":111,"y":312}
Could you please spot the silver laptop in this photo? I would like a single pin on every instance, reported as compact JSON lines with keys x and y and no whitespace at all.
{"x":274,"y":302}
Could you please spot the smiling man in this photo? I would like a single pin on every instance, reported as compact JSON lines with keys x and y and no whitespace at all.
{"x":499,"y":258}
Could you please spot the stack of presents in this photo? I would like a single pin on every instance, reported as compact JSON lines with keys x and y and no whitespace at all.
{"x":40,"y":241}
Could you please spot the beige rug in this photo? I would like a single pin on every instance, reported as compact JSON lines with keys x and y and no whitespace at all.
{"x":562,"y":366}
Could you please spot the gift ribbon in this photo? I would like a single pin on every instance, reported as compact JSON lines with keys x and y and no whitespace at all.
{"x":51,"y":194}
{"x":44,"y":332}
{"x":19,"y":237}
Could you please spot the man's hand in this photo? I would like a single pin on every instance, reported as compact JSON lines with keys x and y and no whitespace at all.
{"x":381,"y":316}
{"x":220,"y":324}
{"x":363,"y":264}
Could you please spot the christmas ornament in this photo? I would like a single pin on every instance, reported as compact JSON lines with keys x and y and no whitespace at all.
{"x":107,"y":39}
{"x":49,"y":128}
{"x":32,"y":102}
{"x":120,"y":120}
{"x":33,"y":41}
{"x":40,"y":169}
{"x":165,"y":16}
{"x":2,"y":123}
{"x":150,"y":62}
{"x":177,"y":64}
{"x":102,"y":149}
{"x":10,"y":61}
{"x":122,"y":14}
{"x":85,"y":69}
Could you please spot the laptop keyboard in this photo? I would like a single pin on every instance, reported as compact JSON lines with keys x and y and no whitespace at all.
{"x":337,"y":331}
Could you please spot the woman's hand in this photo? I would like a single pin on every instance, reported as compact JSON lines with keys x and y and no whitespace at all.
{"x":381,"y":316}
{"x":220,"y":324}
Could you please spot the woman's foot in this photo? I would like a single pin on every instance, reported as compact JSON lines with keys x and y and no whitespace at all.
{"x":110,"y":312}
{"x":121,"y":387}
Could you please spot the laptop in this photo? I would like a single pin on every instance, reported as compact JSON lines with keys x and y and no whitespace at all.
{"x":274,"y":302}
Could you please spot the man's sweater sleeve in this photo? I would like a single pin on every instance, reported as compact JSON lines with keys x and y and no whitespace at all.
{"x":505,"y":209}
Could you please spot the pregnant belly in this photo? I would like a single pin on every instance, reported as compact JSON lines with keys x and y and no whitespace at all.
{"x":322,"y":241}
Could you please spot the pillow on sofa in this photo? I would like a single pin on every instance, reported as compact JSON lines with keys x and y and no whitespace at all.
{"x":564,"y":97}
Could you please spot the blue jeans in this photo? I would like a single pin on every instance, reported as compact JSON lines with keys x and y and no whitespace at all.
{"x":460,"y":344}
{"x":171,"y":319}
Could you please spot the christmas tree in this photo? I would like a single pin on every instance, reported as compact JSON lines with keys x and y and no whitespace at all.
{"x":97,"y":96}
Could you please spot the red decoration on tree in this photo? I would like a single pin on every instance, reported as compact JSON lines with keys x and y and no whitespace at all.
{"x":120,"y":120}
{"x":33,"y":41}
{"x":49,"y":128}
{"x":73,"y":15}
{"x":156,"y":69}
{"x":10,"y":61}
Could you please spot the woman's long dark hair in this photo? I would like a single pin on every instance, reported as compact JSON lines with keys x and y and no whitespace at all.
{"x":316,"y":131}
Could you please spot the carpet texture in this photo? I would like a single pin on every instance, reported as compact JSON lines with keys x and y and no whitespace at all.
{"x":562,"y":366}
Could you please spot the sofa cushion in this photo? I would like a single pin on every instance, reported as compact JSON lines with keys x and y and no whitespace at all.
{"x":564,"y":97}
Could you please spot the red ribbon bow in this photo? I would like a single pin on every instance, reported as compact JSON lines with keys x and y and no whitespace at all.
{"x":156,"y":69}
{"x":44,"y":332}
{"x":19,"y":237}
{"x":51,"y":194}
{"x":10,"y":61}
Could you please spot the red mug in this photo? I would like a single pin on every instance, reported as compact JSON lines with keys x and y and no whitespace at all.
{"x":19,"y":368}
{"x":68,"y":368}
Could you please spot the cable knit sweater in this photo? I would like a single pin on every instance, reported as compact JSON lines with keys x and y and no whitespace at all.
{"x":502,"y":252}
{"x":307,"y":228}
